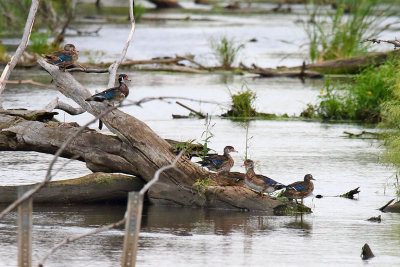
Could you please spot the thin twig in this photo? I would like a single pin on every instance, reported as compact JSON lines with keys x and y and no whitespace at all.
{"x":22,"y":46}
{"x":27,"y":82}
{"x":113,"y":68}
{"x":396,"y":43}
{"x":76,"y":237}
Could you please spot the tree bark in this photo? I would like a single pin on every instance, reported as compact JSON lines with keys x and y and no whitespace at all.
{"x":93,"y":188}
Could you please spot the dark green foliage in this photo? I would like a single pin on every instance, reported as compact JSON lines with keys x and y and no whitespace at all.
{"x":226,"y":50}
{"x":243,"y":104}
{"x":360,"y":100}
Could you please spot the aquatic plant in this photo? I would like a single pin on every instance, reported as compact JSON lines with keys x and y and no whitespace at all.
{"x":206,"y":136}
{"x":225,"y":50}
{"x":3,"y":53}
{"x":339,"y":33}
{"x":243,"y":103}
{"x":360,"y":100}
{"x":38,"y":43}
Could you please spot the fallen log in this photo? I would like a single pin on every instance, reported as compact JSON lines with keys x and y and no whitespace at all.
{"x":165,"y":4}
{"x":93,"y":188}
{"x":350,"y":65}
{"x":395,"y":207}
{"x":111,"y":154}
{"x":271,"y":73}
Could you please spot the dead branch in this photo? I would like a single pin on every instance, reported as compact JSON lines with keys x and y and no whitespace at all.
{"x":80,"y":32}
{"x":172,"y":68}
{"x":396,"y":43}
{"x":269,"y":73}
{"x":57,"y":104}
{"x":385,"y":206}
{"x":351,"y":193}
{"x":27,"y":82}
{"x":22,"y":46}
{"x":87,"y":70}
{"x":145,"y":188}
{"x":113,"y":68}
{"x":79,"y":236}
{"x":201,"y":115}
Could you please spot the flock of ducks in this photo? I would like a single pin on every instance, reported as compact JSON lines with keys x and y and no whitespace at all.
{"x":257,"y":182}
{"x":219,"y":163}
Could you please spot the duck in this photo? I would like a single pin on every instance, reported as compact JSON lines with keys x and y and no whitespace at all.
{"x":113,"y":95}
{"x":63,"y":58}
{"x":260,"y":183}
{"x":300,"y":190}
{"x":219,"y":163}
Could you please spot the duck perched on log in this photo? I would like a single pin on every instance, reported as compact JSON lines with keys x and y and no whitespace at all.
{"x":113,"y":95}
{"x":63,"y":58}
{"x":219,"y":163}
{"x":260,"y":183}
{"x":301,"y":189}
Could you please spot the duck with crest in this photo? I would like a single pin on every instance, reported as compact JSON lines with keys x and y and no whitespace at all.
{"x":260,"y":183}
{"x":300,"y":190}
{"x":63,"y":58}
{"x":113,"y":95}
{"x":219,"y":163}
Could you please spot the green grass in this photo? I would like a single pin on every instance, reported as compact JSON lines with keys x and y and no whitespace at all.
{"x":226,"y":50}
{"x":243,"y":103}
{"x":360,"y":100}
{"x":334,"y":34}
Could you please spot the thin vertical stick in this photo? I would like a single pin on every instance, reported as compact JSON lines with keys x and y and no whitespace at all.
{"x":132,"y":228}
{"x":22,"y":46}
{"x":24,"y":230}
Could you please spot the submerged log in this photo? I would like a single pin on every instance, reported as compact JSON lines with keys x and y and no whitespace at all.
{"x":391,"y":208}
{"x":109,"y":153}
{"x":366,"y":252}
{"x":271,"y":73}
{"x":93,"y":188}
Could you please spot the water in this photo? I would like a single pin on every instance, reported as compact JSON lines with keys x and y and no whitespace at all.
{"x":286,"y":150}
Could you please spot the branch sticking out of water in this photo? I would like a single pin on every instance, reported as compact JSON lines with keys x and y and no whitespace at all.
{"x":396,"y":43}
{"x":351,"y":193}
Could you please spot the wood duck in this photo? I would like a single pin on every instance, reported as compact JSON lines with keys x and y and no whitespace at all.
{"x":63,"y":58}
{"x":260,"y":183}
{"x":301,"y":189}
{"x":219,"y":163}
{"x":113,"y":95}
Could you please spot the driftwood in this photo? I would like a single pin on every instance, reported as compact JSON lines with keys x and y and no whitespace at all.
{"x":351,"y":193}
{"x":139,"y":152}
{"x":201,"y":115}
{"x":350,"y":65}
{"x":366,"y":252}
{"x":270,"y":73}
{"x":93,"y":188}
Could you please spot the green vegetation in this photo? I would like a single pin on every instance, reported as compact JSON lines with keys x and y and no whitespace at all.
{"x":3,"y":53}
{"x":201,"y":185}
{"x":243,"y":103}
{"x":361,"y":100}
{"x":347,"y":26}
{"x":225,"y":50}
{"x":206,"y":135}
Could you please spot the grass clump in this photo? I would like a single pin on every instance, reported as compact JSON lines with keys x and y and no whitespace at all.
{"x":226,"y":50}
{"x":360,"y":100}
{"x":339,"y":33}
{"x":243,"y":104}
{"x":3,"y":53}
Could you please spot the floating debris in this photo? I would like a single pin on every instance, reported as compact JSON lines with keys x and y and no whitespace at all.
{"x":366,"y":252}
{"x":375,"y":219}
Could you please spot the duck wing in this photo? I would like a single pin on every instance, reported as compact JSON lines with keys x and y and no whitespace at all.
{"x":298,"y":186}
{"x":213,"y":161}
{"x":105,"y":95}
{"x":271,"y":182}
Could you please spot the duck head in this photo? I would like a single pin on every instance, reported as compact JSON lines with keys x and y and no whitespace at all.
{"x":70,"y":47}
{"x":122,"y":78}
{"x":249,"y":164}
{"x":308,"y":177}
{"x":229,"y":149}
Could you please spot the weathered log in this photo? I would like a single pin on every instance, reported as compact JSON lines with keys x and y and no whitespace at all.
{"x":106,"y":153}
{"x":350,"y":65}
{"x":93,"y":188}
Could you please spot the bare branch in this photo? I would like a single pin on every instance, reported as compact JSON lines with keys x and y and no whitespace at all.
{"x":76,"y":237}
{"x":396,"y":43}
{"x":27,"y":82}
{"x":57,"y":104}
{"x":87,"y":70}
{"x":22,"y":46}
{"x":113,"y":68}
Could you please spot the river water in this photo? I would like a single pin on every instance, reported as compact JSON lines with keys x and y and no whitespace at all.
{"x":286,"y":150}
